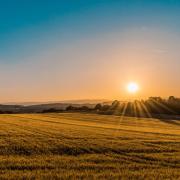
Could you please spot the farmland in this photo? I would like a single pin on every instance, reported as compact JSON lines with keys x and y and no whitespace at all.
{"x":88,"y":146}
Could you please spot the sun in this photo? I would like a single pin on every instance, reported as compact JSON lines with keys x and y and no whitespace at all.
{"x":132,"y":87}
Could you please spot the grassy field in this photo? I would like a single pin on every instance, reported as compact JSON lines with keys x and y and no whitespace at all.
{"x":87,"y":146}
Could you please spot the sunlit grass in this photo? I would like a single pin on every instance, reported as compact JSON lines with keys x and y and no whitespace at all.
{"x":87,"y":146}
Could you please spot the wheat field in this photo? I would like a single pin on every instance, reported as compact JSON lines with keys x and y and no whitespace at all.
{"x":88,"y":146}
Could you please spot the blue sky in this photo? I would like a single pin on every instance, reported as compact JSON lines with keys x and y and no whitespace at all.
{"x":31,"y":25}
{"x":31,"y":29}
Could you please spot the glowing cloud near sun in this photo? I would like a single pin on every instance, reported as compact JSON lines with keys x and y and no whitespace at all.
{"x":132,"y":87}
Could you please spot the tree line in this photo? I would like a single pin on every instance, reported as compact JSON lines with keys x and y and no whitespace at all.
{"x":151,"y":107}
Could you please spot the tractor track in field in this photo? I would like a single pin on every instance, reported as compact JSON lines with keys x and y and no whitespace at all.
{"x":85,"y":125}
{"x":31,"y":130}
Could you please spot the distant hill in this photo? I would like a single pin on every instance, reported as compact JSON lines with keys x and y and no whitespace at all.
{"x":82,"y":101}
{"x":37,"y":107}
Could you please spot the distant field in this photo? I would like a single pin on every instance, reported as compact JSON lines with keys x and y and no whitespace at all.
{"x":87,"y":146}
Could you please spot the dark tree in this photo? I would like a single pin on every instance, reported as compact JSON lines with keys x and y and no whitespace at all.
{"x":98,"y":107}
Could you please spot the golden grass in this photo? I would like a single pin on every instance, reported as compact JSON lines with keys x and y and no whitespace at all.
{"x":88,"y":146}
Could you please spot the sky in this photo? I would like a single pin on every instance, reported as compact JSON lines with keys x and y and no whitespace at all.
{"x":54,"y":50}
